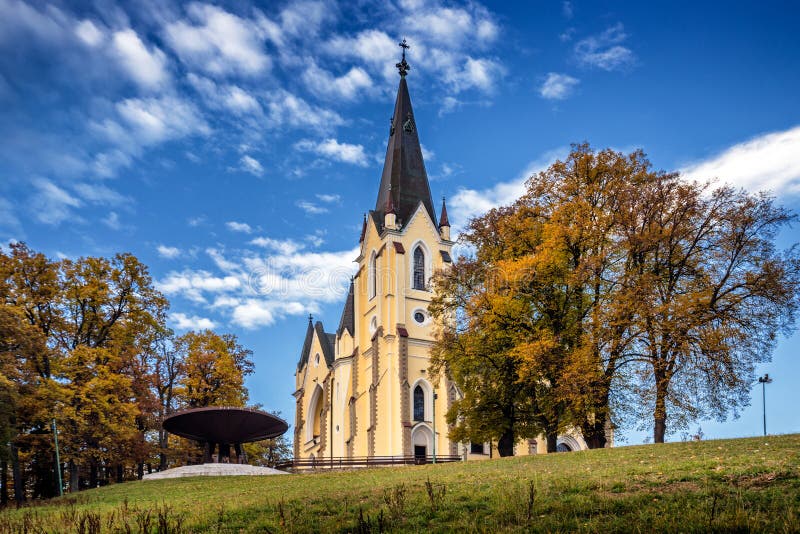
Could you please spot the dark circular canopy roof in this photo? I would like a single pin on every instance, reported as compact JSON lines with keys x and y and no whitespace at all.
{"x":223,"y":424}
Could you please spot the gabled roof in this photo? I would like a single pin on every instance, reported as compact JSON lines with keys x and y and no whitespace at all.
{"x":348,"y":320}
{"x":327,"y":341}
{"x":404,"y":176}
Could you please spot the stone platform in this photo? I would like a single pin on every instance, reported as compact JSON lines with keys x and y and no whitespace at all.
{"x":214,"y":470}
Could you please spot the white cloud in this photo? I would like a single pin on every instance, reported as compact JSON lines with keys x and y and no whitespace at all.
{"x":112,"y":221}
{"x":373,"y":47}
{"x":181,"y":321}
{"x":52,"y":204}
{"x":192,"y":284}
{"x":287,"y":109}
{"x":251,"y":165}
{"x":283,"y":246}
{"x":334,"y":150}
{"x":149,"y":121}
{"x":99,"y":194}
{"x":219,"y":42}
{"x":328,"y":198}
{"x":257,"y":288}
{"x":229,"y":97}
{"x":768,"y":162}
{"x":242,"y":227}
{"x":480,"y":73}
{"x":168,"y":252}
{"x":253,"y":313}
{"x":449,"y":104}
{"x":311,"y":208}
{"x":220,"y":260}
{"x":143,"y":122}
{"x":558,"y":86}
{"x":88,"y":32}
{"x":147,"y":67}
{"x":348,"y":86}
{"x":605,"y":50}
{"x":567,"y":9}
{"x":451,"y":26}
{"x":427,"y":154}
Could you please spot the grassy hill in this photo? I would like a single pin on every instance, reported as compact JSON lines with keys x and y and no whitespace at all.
{"x":748,"y":484}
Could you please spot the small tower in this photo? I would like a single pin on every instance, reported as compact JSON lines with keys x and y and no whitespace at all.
{"x":444,"y":223}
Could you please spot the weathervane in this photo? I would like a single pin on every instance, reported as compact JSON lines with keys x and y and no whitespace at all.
{"x":403,"y":67}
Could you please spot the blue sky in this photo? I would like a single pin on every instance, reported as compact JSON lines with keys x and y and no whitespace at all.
{"x":234,"y":147}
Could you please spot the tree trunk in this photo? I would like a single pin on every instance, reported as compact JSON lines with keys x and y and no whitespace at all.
{"x":660,"y":413}
{"x":93,"y":474}
{"x":552,"y":442}
{"x":120,"y":474}
{"x":505,"y":445}
{"x":19,"y":486}
{"x":140,"y":470}
{"x":3,"y":483}
{"x":593,"y":428}
{"x":74,"y":479}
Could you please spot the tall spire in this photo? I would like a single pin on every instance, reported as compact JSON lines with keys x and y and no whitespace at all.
{"x":404,"y":177}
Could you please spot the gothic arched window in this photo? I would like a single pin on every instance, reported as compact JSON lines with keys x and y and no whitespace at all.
{"x":419,"y":404}
{"x":419,"y":268}
{"x":373,"y":275}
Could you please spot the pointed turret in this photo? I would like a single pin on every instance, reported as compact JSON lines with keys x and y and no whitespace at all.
{"x":348,"y":319}
{"x":404,"y":177}
{"x":363,"y":229}
{"x":444,"y":223}
{"x":306,"y":343}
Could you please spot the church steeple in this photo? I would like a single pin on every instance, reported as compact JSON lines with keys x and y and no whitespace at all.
{"x":404,"y":176}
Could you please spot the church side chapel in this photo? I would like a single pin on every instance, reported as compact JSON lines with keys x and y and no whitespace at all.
{"x":364,"y":391}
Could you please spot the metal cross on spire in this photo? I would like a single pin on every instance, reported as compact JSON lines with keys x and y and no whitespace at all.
{"x":403,"y":67}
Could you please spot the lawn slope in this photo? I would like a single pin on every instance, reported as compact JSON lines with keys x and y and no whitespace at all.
{"x":748,"y":484}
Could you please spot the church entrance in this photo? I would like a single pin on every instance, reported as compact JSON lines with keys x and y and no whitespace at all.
{"x":420,"y":451}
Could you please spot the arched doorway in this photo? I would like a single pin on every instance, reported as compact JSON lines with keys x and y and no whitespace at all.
{"x":315,"y":415}
{"x":422,"y":441}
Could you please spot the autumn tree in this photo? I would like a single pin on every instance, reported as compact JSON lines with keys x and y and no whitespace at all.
{"x":110,"y":311}
{"x":609,"y":282}
{"x":477,"y":348}
{"x":30,"y":289}
{"x":714,"y":294}
{"x":214,"y":369}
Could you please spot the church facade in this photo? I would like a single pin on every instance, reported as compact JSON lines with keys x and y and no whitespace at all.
{"x":365,"y":389}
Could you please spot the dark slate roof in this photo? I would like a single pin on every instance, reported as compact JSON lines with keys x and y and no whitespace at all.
{"x":306,"y":344}
{"x":327,"y":341}
{"x":348,"y":320}
{"x":404,"y":176}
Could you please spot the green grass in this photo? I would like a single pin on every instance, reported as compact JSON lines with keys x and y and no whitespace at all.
{"x":748,"y":484}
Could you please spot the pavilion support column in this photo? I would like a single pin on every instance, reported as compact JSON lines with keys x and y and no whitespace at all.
{"x":208,"y":452}
{"x":240,"y":455}
{"x":224,"y":452}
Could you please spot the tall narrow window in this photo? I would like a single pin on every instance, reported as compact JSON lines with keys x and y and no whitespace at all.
{"x":419,"y":404}
{"x":373,"y":275}
{"x":419,"y":268}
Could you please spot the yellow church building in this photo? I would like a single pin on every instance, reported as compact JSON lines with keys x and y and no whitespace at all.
{"x":365,"y":390}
